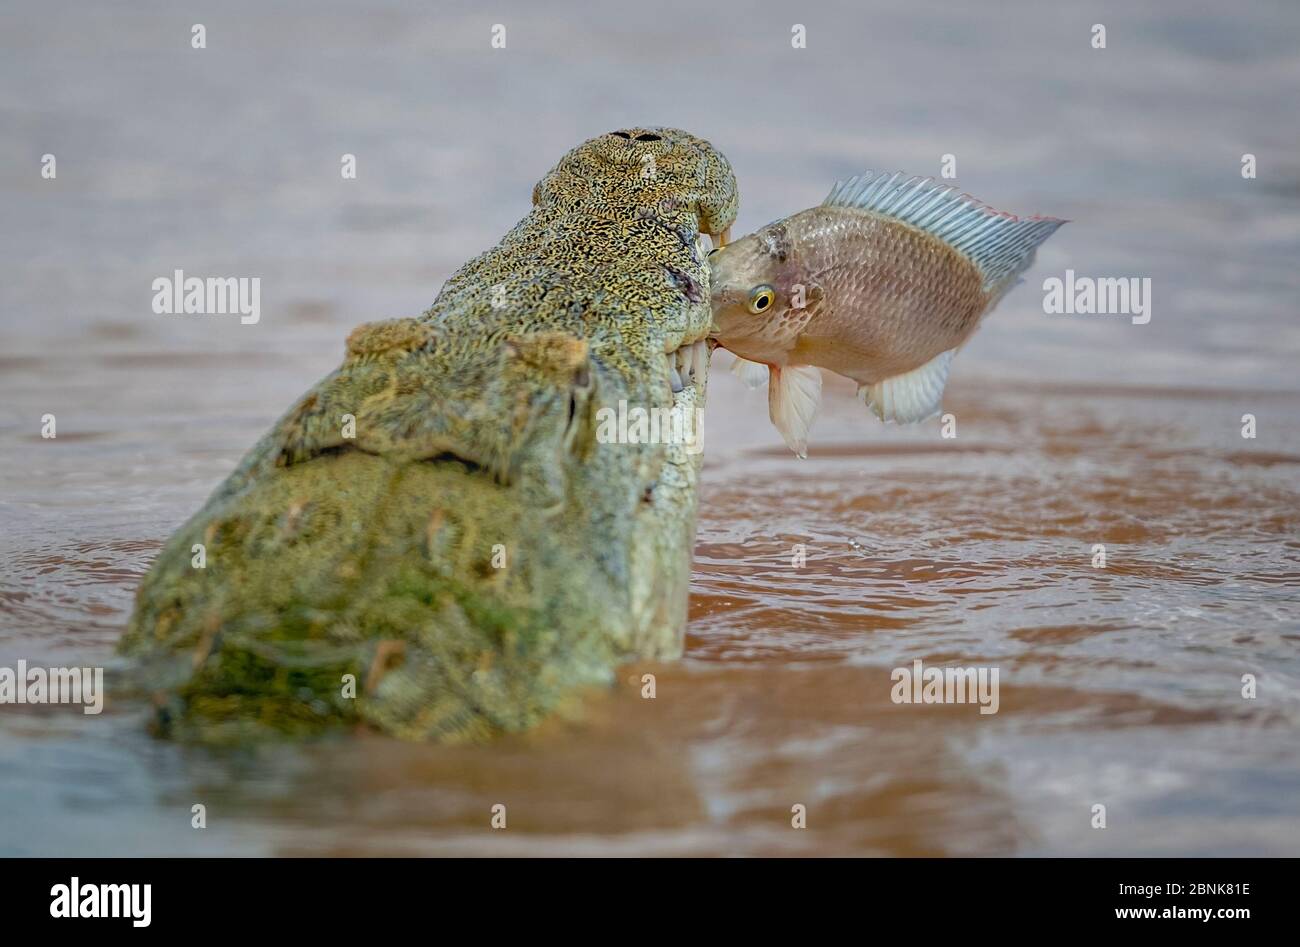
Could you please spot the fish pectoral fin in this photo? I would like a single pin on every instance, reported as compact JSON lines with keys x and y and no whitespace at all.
{"x":753,"y":374}
{"x":793,"y":394}
{"x":912,"y":396}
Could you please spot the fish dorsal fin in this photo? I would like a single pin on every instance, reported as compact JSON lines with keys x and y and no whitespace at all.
{"x":1000,"y":245}
{"x":793,"y":394}
{"x":912,"y":396}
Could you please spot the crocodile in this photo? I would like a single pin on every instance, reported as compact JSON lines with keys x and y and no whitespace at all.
{"x":437,"y":540}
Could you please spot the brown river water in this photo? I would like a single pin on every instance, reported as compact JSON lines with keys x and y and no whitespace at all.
{"x":1119,"y":686}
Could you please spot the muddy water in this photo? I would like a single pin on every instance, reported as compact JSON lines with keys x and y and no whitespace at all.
{"x":1118,"y":686}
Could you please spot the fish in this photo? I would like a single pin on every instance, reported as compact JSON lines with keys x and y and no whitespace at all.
{"x":882,"y":283}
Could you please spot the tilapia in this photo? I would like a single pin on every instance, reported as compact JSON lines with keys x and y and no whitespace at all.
{"x":881,"y":283}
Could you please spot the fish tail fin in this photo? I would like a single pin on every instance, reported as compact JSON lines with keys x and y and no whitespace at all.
{"x":912,"y":396}
{"x":1000,"y":245}
{"x":793,"y":394}
{"x":753,"y":374}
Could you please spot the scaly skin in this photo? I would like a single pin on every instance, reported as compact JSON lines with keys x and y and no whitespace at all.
{"x":379,"y":555}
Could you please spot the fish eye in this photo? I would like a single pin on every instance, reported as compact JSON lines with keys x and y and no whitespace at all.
{"x":761,"y":299}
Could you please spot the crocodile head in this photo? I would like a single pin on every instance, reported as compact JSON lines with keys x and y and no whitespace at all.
{"x":484,"y":509}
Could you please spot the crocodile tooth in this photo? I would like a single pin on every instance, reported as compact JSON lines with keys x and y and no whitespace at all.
{"x":699,"y":359}
{"x":675,"y":379}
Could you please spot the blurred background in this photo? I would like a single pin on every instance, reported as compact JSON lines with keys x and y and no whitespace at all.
{"x":1120,"y":686}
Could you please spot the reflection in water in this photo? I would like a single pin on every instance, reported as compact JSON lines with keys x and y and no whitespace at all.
{"x":1119,"y":686}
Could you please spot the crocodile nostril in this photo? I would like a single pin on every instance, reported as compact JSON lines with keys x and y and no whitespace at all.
{"x":621,"y":135}
{"x":649,"y":137}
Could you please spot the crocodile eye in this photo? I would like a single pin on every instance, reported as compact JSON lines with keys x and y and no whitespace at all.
{"x":649,"y":137}
{"x":761,"y":299}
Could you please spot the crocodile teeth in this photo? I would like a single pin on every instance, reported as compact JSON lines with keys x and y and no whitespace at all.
{"x":698,"y":359}
{"x":687,"y":364}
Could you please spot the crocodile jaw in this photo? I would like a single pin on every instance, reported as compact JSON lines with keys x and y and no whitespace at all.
{"x":663,"y":544}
